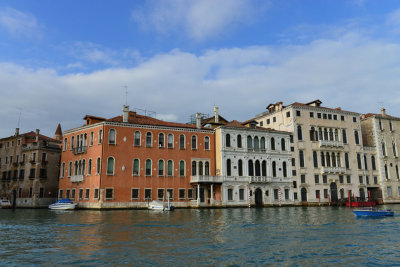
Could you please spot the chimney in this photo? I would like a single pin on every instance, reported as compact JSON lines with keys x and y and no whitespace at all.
{"x":16,"y":131}
{"x":216,"y":115}
{"x":383,"y":111}
{"x":198,"y":120}
{"x":37,"y":135}
{"x":125,"y":113}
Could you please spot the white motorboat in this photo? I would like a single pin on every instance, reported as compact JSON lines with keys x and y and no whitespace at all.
{"x":5,"y":204}
{"x":63,"y":204}
{"x":160,"y":205}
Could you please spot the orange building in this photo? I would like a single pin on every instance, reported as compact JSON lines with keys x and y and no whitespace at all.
{"x":129,"y":160}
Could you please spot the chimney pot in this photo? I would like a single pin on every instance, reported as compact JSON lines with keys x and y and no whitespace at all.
{"x":383,"y":111}
{"x":16,"y":131}
{"x":37,"y":135}
{"x":125,"y":114}
{"x":198,"y":120}
{"x":216,"y":114}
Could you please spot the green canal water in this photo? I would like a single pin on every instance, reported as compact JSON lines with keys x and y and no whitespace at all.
{"x":287,"y":236}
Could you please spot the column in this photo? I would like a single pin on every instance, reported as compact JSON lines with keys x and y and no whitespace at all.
{"x":212,"y":195}
{"x":198,"y":194}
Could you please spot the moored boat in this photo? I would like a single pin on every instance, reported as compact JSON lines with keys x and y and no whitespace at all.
{"x":63,"y":204}
{"x":5,"y":204}
{"x":370,"y":212}
{"x":159,"y":205}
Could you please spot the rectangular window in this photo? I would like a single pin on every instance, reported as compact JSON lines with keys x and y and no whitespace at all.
{"x":317,"y":194}
{"x":276,"y":194}
{"x":325,"y":193}
{"x":335,"y":117}
{"x":360,"y":179}
{"x":375,"y":180}
{"x":295,"y":195}
{"x":348,"y":179}
{"x":324,"y":116}
{"x":73,"y":193}
{"x":324,"y":179}
{"x":311,"y":114}
{"x":367,"y":179}
{"x":96,"y":193}
{"x":241,"y":194}
{"x":182,"y":193}
{"x":268,"y":121}
{"x":288,"y":114}
{"x":87,"y":193}
{"x":43,"y":173}
{"x":286,"y":194}
{"x":60,"y":193}
{"x":341,"y":179}
{"x":230,"y":194}
{"x":160,"y":193}
{"x":190,"y":193}
{"x":389,"y":191}
{"x":303,"y":178}
{"x":342,"y":118}
{"x":316,"y":177}
{"x":147,"y":194}
{"x":329,"y":116}
{"x":32,"y":173}
{"x":274,"y":119}
{"x":41,"y":192}
{"x":354,"y":119}
{"x":109,"y":193}
{"x":80,"y":194}
{"x":170,"y":193}
{"x":298,"y":113}
{"x":135,"y":193}
{"x":21,"y":174}
{"x":261,"y":123}
{"x":319,"y":115}
{"x":294,"y":184}
{"x":67,"y":193}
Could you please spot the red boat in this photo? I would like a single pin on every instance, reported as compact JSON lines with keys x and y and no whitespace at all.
{"x":361,"y":204}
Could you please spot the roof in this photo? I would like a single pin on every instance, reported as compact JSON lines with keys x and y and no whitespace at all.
{"x":211,"y":120}
{"x":237,"y":124}
{"x":386,"y":116}
{"x":30,"y":137}
{"x":93,"y":117}
{"x":58,"y":131}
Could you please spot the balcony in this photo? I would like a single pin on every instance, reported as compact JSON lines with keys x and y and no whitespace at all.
{"x":260,"y":179}
{"x":79,"y":150}
{"x":256,"y":150}
{"x":242,"y":179}
{"x":330,"y":143}
{"x":333,"y":170}
{"x":77,"y":178}
{"x":206,"y":179}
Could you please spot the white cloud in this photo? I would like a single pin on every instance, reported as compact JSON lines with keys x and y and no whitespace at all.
{"x":19,"y":24}
{"x":393,"y":21}
{"x":199,"y":19}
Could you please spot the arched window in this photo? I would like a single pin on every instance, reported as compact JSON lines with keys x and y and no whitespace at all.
{"x":312,"y":134}
{"x":301,"y":157}
{"x":346,"y":160}
{"x":330,"y":134}
{"x":373,"y":162}
{"x":76,"y":168}
{"x":344,"y":136}
{"x":207,"y":168}
{"x":299,"y":133}
{"x":136,"y":168}
{"x":181,"y":168}
{"x":148,"y":167}
{"x":320,"y":134}
{"x":365,"y":162}
{"x":194,"y":142}
{"x":149,"y":139}
{"x":161,"y":140}
{"x":89,"y":168}
{"x":98,"y":166}
{"x":111,"y":137}
{"x":315,"y":158}
{"x":336,"y":135}
{"x":273,"y":169}
{"x":262,"y":143}
{"x":239,"y":141}
{"x":170,"y":167}
{"x":383,"y":148}
{"x":110,"y":166}
{"x":356,"y":139}
{"x":182,"y":141}
{"x":328,"y":159}
{"x":228,"y":167}
{"x":136,"y":141}
{"x":339,"y":164}
{"x":394,"y":149}
{"x":240,"y":167}
{"x":283,"y":144}
{"x":83,"y":166}
{"x":264,"y":168}
{"x":322,"y":159}
{"x":284,"y":169}
{"x":386,"y":172}
{"x":272,"y":143}
{"x":194,"y":168}
{"x":397,"y":172}
{"x":249,"y":142}
{"x":161,"y":167}
{"x":70,"y":169}
{"x":170,"y":141}
{"x":100,"y":136}
{"x":333,"y":159}
{"x":258,"y":168}
{"x":228,"y":140}
{"x":200,"y":168}
{"x":251,"y":168}
{"x":207,"y":143}
{"x":359,"y":161}
{"x":326,"y":134}
{"x":256,"y":143}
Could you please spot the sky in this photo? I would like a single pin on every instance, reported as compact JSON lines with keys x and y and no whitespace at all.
{"x":61,"y":60}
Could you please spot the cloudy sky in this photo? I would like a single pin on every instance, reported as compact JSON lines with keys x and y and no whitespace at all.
{"x":61,"y":60}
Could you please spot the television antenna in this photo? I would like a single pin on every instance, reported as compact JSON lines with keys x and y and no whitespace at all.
{"x":19,"y":117}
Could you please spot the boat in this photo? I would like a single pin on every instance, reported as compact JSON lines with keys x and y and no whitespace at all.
{"x":5,"y":204}
{"x":371,"y":212}
{"x":160,"y":205}
{"x":63,"y":204}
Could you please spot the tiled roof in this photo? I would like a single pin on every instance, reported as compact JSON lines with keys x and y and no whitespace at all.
{"x":238,"y":124}
{"x":30,"y":137}
{"x":365,"y":116}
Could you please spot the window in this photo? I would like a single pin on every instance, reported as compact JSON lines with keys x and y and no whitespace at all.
{"x":298,"y":113}
{"x":110,"y":166}
{"x":311,"y":114}
{"x":100,"y":137}
{"x":383,"y":149}
{"x":170,"y":193}
{"x":341,"y":179}
{"x":65,"y":144}
{"x":32,"y":173}
{"x":96,"y":193}
{"x":239,"y":141}
{"x":284,"y":169}
{"x":360,"y":179}
{"x":87,"y":193}
{"x":344,"y":137}
{"x":80,"y":194}
{"x":111,"y":137}
{"x":316,"y":178}
{"x":135,"y":193}
{"x":194,"y":168}
{"x":324,"y":179}
{"x":181,"y":168}
{"x":207,"y":168}
{"x":62,"y":170}
{"x":160,"y":193}
{"x":89,"y":171}
{"x":335,"y":117}
{"x":182,"y":193}
{"x":241,"y":194}
{"x":380,"y":125}
{"x":228,"y":140}
{"x":356,"y":139}
{"x":365,"y":162}
{"x":170,"y":141}
{"x":21,"y":174}
{"x":72,"y":142}
{"x":170,"y":168}
{"x":315,"y":158}
{"x":98,"y":166}
{"x":148,"y":167}
{"x":367,"y":180}
{"x":324,"y":116}
{"x":301,"y":158}
{"x":359,"y":161}
{"x":303,"y":178}
{"x":273,"y":169}
{"x":397,"y":172}
{"x":149,"y":139}
{"x":190,"y":193}
{"x":230,"y":194}
{"x":325,"y":193}
{"x":161,"y":140}
{"x":60,"y":193}
{"x":161,"y":167}
{"x":136,"y":141}
{"x":274,"y":119}
{"x":91,"y":138}
{"x":272,"y":143}
{"x":109,"y":193}
{"x":317,"y":194}
{"x":136,"y":167}
{"x":319,"y":115}
{"x":194,"y":142}
{"x":70,"y":169}
{"x":256,"y":143}
{"x":182,"y":141}
{"x":375,"y":180}
{"x":348,"y":178}
{"x":389,"y":191}
{"x":240,"y":167}
{"x":42,"y":173}
{"x":288,"y":114}
{"x":342,"y":118}
{"x":346,"y":160}
{"x":147,"y":194}
{"x":262,"y":143}
{"x":283,"y":144}
{"x":299,"y":133}
{"x":268,"y":121}
{"x":228,"y":167}
{"x":67,"y":193}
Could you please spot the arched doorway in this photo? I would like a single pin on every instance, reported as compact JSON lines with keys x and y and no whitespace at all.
{"x":334,"y":196}
{"x":258,"y":197}
{"x":303,"y":194}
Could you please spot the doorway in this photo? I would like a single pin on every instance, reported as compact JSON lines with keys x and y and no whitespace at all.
{"x":258,"y":197}
{"x":334,"y":195}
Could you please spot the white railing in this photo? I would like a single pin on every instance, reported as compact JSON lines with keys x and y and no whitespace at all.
{"x":77,"y":178}
{"x":331,"y":143}
{"x":206,"y":179}
{"x":260,"y":179}
{"x":242,"y":179}
{"x":333,"y":170}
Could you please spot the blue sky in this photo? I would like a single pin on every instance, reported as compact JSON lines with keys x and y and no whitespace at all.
{"x":61,"y":60}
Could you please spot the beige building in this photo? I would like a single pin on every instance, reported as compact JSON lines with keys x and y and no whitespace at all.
{"x":327,"y":152}
{"x":381,"y":135}
{"x":29,"y":166}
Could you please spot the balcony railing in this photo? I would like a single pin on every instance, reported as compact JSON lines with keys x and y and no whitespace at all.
{"x":79,"y":150}
{"x":77,"y":178}
{"x":256,"y":150}
{"x":333,"y":170}
{"x":331,"y":143}
{"x":260,"y":179}
{"x":206,"y":179}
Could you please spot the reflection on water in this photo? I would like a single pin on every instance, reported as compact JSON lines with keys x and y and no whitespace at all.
{"x":278,"y":236}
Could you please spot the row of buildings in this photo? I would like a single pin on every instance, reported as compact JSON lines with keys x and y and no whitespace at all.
{"x":302,"y":153}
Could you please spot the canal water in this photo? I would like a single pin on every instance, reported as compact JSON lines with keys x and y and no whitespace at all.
{"x":287,"y":236}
